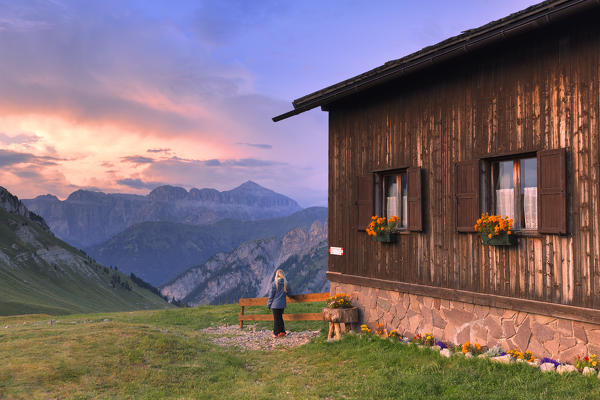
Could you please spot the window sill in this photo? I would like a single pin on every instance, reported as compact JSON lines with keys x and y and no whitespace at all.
{"x":534,"y":234}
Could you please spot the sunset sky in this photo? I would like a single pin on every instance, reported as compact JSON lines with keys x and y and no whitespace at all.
{"x":124,"y":96}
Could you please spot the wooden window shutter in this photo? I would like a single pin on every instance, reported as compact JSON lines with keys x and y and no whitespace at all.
{"x":365,"y":189}
{"x":466,"y":195}
{"x":552,"y":191}
{"x":414,"y":199}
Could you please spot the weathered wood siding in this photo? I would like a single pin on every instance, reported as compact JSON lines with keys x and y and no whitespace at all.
{"x":540,"y":91}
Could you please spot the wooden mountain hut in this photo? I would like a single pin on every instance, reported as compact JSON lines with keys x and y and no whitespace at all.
{"x":503,"y":119}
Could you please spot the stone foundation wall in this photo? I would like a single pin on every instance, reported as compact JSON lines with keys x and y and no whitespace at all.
{"x":457,"y":322}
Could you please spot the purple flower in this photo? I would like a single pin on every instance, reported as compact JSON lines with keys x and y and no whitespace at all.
{"x":441,"y":344}
{"x":549,"y":360}
{"x":502,"y":353}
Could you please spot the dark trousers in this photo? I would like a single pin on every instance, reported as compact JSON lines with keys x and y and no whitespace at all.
{"x":278,"y":325}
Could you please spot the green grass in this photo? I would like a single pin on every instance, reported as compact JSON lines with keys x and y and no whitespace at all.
{"x":162,"y":354}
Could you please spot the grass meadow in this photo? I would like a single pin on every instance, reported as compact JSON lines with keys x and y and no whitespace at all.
{"x":163,"y":355}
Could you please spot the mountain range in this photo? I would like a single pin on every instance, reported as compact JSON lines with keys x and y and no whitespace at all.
{"x":160,"y":251}
{"x":88,"y":218}
{"x":40,"y":273}
{"x":233,"y":239}
{"x":248,"y":270}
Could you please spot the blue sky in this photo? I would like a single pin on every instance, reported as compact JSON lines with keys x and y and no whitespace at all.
{"x":122,"y":96}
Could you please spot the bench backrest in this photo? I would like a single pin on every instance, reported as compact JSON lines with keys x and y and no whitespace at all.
{"x":301,"y":298}
{"x":262,"y":301}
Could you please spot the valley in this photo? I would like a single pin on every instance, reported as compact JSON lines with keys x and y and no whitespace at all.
{"x":39,"y":273}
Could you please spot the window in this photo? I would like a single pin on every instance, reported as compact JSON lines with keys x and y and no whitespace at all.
{"x":515,"y":191}
{"x":531,"y":189}
{"x":395,"y":198}
{"x":390,"y":193}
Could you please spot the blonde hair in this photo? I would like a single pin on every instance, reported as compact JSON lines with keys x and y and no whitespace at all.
{"x":279,"y":275}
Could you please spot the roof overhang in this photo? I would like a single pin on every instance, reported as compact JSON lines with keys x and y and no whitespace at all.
{"x":529,"y":19}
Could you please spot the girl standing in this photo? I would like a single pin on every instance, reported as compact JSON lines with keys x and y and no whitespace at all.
{"x":277,"y":302}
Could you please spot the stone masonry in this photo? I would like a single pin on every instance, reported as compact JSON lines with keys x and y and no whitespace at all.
{"x":458,"y":322}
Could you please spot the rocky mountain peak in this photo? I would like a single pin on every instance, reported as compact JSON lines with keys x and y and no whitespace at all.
{"x":298,"y":240}
{"x":86,"y":196}
{"x":12,"y":204}
{"x":251,"y":188}
{"x":168,"y":193}
{"x":48,"y":197}
{"x":250,"y":185}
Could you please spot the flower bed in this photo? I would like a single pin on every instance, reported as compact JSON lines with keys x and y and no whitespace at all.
{"x":588,"y":365}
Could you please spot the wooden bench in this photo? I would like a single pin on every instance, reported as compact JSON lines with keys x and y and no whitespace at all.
{"x":262,"y":301}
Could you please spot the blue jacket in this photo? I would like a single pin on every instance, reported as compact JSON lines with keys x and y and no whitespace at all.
{"x":277,"y":295}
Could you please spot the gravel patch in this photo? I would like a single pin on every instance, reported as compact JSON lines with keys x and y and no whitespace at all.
{"x":253,"y":338}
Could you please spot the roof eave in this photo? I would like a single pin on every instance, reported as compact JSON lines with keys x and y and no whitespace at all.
{"x":462,"y":44}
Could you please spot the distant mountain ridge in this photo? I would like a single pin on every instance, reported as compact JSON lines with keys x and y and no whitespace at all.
{"x":88,"y":218}
{"x":41,"y":274}
{"x":160,"y":251}
{"x":248,"y":270}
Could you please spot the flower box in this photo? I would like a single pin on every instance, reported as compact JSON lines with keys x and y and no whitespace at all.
{"x":381,"y":229}
{"x":500,"y":240}
{"x":385,"y":238}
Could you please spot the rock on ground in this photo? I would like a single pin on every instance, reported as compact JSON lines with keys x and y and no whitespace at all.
{"x":565,"y":369}
{"x":547,"y":367}
{"x":589,"y":371}
{"x":445,"y":353}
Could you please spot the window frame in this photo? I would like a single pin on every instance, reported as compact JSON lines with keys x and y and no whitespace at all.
{"x":489,"y":187}
{"x":380,"y":194}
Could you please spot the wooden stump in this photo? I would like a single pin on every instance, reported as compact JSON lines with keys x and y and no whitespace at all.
{"x":340,"y":320}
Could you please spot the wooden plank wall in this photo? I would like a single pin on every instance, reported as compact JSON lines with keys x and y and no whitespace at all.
{"x":540,"y":91}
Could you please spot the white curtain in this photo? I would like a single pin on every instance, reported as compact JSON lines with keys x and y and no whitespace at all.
{"x":391,"y":206}
{"x":530,"y":207}
{"x":505,"y":203}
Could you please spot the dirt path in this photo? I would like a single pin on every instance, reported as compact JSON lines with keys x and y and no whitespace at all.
{"x":253,"y":338}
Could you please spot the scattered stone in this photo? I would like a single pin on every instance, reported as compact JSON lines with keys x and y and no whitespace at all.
{"x":436,"y":347}
{"x":505,"y":359}
{"x":535,"y":363}
{"x":6,"y":327}
{"x":565,"y":369}
{"x":106,"y":320}
{"x":468,"y":355}
{"x":445,"y":353}
{"x":547,"y":367}
{"x":482,"y":356}
{"x":253,"y":339}
{"x":589,"y":371}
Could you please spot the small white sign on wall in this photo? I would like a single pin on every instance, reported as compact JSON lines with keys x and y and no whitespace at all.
{"x":336,"y":251}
